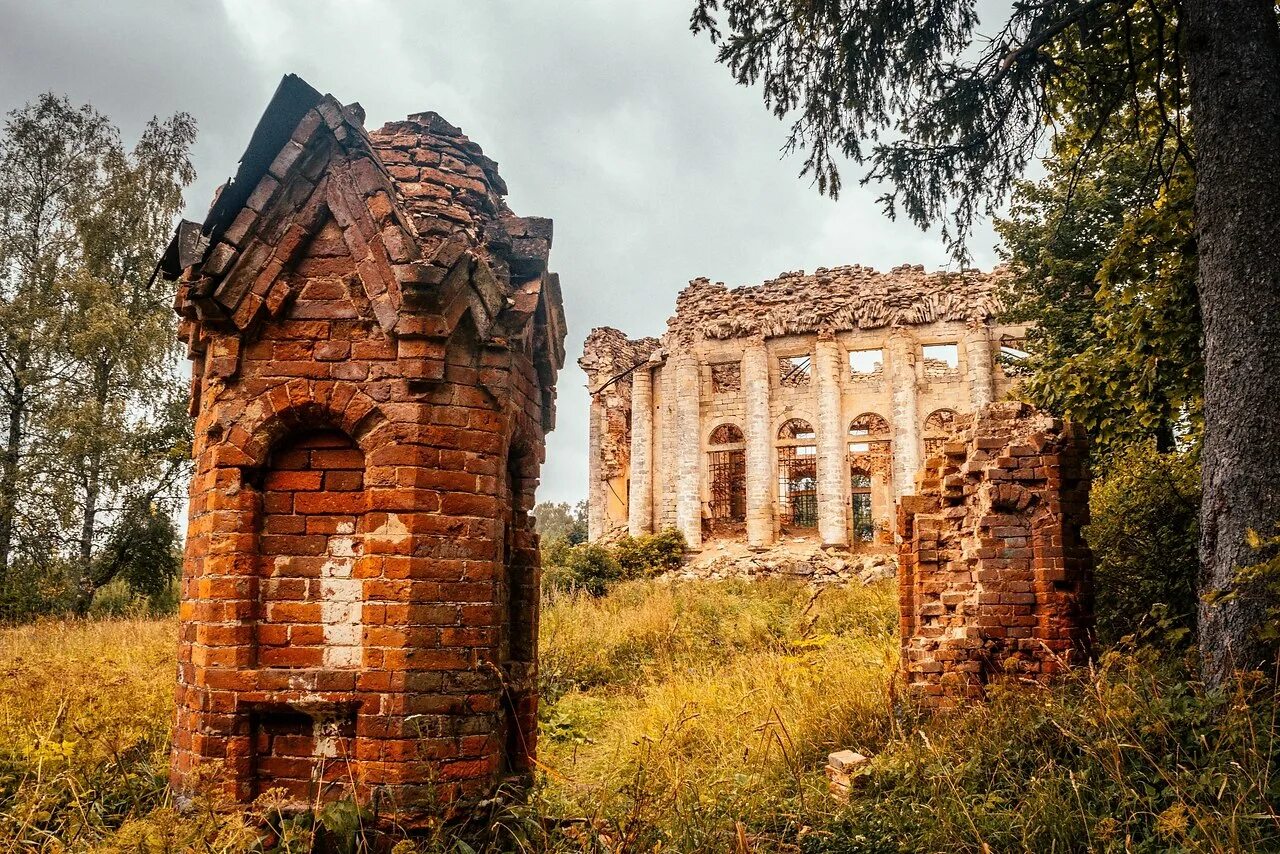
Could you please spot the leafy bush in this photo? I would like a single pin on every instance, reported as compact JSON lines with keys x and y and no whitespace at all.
{"x":1143,"y":533}
{"x":650,"y":554}
{"x":594,"y":567}
{"x":586,"y":566}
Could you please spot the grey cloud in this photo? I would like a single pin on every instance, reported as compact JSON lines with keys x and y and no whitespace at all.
{"x":608,"y":117}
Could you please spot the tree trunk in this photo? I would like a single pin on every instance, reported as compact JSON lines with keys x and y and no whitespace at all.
{"x":92,"y":493}
{"x":1233,"y":49}
{"x":9,"y":459}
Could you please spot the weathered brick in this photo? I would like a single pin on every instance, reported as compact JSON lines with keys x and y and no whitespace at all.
{"x":345,"y":515}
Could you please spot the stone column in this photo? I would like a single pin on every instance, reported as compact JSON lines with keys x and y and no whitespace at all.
{"x":597,"y":499}
{"x":640,"y":499}
{"x":833,"y":504}
{"x":905,"y":418}
{"x":759,"y":440}
{"x":688,"y":441}
{"x":977,"y":345}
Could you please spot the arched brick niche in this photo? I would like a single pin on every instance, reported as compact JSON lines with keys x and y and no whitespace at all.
{"x":375,"y":344}
{"x":310,"y":539}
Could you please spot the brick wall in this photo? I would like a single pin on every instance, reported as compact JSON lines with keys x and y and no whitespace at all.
{"x":994,"y":575}
{"x":374,"y":362}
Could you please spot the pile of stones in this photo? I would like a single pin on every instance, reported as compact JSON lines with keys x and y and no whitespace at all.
{"x":800,"y":560}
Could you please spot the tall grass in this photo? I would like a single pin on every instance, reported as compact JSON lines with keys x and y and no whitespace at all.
{"x":696,"y":717}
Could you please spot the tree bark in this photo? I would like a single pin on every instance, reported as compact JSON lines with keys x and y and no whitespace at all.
{"x":9,"y":459}
{"x":1233,"y":57}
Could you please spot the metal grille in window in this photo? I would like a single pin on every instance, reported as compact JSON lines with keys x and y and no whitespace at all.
{"x":864,"y":527}
{"x":798,"y":486}
{"x":726,"y":377}
{"x":728,"y":485}
{"x":794,"y":371}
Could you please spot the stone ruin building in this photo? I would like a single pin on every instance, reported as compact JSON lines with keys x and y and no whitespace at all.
{"x":994,"y":575}
{"x":375,"y":339}
{"x":799,"y":408}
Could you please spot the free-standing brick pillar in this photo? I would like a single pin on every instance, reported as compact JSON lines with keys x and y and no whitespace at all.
{"x":994,"y":575}
{"x":375,"y":340}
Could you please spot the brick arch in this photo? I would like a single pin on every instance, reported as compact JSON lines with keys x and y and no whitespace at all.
{"x":302,"y":404}
{"x":725,"y":433}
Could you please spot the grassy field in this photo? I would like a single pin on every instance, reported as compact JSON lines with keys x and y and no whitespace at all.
{"x":697,"y":717}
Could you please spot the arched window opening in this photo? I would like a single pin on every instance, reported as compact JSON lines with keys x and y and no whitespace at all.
{"x":726,"y":434}
{"x":798,"y":429}
{"x":798,"y":474}
{"x":868,"y":432}
{"x":864,"y":527}
{"x":937,"y":430}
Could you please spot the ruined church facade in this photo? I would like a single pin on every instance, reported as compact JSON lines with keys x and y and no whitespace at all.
{"x":801,"y":407}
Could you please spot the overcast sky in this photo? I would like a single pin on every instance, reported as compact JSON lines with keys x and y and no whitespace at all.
{"x":607,"y":116}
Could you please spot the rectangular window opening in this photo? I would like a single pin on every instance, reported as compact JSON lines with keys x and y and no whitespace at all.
{"x":798,"y":486}
{"x":726,"y":378}
{"x":941,"y":360}
{"x":866,"y":363}
{"x":794,"y":371}
{"x":728,"y":471}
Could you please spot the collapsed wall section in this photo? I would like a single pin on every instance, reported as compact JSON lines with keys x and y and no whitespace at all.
{"x":995,"y":577}
{"x":613,"y":363}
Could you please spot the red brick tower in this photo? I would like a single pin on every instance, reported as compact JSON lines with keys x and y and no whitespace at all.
{"x":375,"y":339}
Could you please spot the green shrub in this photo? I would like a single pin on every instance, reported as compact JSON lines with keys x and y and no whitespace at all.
{"x":650,"y":554}
{"x":586,"y":566}
{"x":1144,"y":535}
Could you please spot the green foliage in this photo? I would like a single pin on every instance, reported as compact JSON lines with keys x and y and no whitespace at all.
{"x":559,"y":521}
{"x":650,"y":554}
{"x":1143,"y":531}
{"x":594,"y":567}
{"x":1104,"y":266}
{"x":586,"y":566}
{"x":93,"y":408}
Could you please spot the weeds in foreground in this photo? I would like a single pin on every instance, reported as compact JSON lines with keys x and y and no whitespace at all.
{"x":693,"y":717}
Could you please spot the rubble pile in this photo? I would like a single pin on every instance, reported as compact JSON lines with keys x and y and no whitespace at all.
{"x":798,"y":559}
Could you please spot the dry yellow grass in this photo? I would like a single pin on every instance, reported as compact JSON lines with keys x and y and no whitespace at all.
{"x":695,"y":717}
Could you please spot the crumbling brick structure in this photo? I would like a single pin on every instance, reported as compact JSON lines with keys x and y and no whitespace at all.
{"x":375,"y":339}
{"x":994,"y":575}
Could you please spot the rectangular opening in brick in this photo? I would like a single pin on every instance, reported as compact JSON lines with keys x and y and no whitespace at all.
{"x":941,"y":361}
{"x":310,"y":601}
{"x":866,"y":364}
{"x":307,"y":753}
{"x":726,"y":377}
{"x":794,"y":371}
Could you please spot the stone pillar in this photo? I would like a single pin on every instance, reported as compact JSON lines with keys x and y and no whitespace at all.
{"x":906,"y":417}
{"x":759,"y":439}
{"x":640,"y":499}
{"x":688,"y":441}
{"x":977,"y":345}
{"x":597,"y":499}
{"x":833,"y":504}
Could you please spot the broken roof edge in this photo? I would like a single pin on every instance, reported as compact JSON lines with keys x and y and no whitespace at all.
{"x":836,"y":299}
{"x":293,"y":98}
